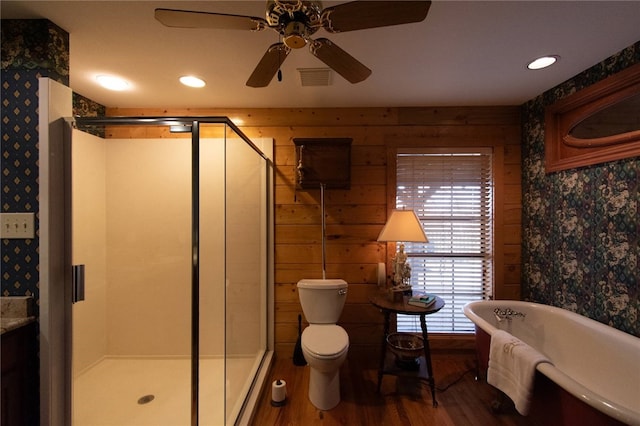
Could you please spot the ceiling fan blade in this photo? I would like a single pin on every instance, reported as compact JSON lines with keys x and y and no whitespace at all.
{"x":268,"y":65}
{"x":339,"y":60}
{"x":190,"y":19}
{"x":359,"y":15}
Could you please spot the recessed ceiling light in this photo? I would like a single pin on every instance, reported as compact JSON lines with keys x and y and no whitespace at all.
{"x":543,"y":62}
{"x":191,"y":81}
{"x":112,"y":83}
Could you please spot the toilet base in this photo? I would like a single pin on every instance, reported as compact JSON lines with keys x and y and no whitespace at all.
{"x":324,"y":389}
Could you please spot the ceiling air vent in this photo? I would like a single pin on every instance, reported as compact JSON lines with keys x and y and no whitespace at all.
{"x":315,"y":76}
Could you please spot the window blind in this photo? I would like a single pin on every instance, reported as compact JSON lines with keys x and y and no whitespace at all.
{"x":451,"y":191}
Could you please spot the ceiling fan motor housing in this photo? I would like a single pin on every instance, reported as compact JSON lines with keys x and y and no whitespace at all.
{"x":295,"y":20}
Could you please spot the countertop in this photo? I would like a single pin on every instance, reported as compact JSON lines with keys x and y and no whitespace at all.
{"x":15,"y":312}
{"x":9,"y":324}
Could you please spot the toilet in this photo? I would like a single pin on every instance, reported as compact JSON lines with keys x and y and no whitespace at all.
{"x":324,"y":344}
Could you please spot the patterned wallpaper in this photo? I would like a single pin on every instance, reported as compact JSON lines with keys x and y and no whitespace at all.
{"x":20,"y":177}
{"x":581,"y":227}
{"x":30,"y":49}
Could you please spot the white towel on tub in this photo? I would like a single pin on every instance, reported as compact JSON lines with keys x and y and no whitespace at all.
{"x":512,"y":368}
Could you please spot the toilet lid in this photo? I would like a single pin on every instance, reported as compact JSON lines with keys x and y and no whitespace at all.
{"x":325,"y":340}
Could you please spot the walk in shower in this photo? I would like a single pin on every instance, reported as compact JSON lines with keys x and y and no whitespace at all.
{"x":171,"y":230}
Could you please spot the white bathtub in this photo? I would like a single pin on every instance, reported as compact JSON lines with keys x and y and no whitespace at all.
{"x":597,"y":364}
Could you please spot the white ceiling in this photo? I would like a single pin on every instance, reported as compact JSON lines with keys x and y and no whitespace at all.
{"x":463,"y":53}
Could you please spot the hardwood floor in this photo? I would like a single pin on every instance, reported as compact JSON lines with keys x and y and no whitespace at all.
{"x":402,"y":401}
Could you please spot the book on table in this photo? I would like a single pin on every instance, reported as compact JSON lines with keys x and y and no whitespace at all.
{"x":422,"y":300}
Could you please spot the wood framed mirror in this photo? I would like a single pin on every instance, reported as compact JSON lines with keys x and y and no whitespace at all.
{"x":597,"y":124}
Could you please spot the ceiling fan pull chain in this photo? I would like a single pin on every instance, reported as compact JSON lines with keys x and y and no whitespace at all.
{"x":280,"y":59}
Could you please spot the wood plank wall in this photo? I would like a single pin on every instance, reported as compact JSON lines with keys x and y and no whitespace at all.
{"x":355,"y":217}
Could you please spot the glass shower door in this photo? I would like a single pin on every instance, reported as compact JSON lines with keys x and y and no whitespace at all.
{"x":233,"y":272}
{"x":245,"y":268}
{"x":131,"y":228}
{"x":211,"y":377}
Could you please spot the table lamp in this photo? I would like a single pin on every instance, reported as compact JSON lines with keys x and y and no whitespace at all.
{"x":402,"y":226}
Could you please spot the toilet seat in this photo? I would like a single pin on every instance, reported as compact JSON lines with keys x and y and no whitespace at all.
{"x":325,"y":341}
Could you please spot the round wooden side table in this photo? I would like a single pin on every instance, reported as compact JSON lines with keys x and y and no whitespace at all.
{"x":387,"y":361}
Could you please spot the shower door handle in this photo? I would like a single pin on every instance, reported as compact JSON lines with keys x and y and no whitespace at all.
{"x":77,"y":283}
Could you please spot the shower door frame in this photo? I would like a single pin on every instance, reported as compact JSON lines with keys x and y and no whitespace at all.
{"x":194,"y":123}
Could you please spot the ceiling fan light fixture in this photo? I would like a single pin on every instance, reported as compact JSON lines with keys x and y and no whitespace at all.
{"x":111,"y":82}
{"x":192,"y":81}
{"x":543,"y":62}
{"x":295,"y":35}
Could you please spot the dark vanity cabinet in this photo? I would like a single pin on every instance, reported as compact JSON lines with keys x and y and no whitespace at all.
{"x":19,"y":392}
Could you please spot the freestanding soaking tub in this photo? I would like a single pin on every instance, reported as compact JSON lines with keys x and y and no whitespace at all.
{"x":594,"y":374}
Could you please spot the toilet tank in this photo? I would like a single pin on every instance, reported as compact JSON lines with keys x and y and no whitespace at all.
{"x":322,"y":300}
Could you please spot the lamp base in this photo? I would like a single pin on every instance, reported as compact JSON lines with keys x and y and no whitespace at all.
{"x":397,"y":293}
{"x":401,"y":270}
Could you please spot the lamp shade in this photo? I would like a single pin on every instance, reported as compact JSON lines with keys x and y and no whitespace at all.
{"x":403,"y":225}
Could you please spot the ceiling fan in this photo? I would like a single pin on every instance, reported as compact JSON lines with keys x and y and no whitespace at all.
{"x":296,"y":21}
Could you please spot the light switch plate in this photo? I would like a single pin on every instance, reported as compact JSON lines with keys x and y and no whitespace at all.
{"x":17,"y":225}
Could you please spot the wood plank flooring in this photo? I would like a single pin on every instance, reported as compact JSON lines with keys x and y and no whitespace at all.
{"x":402,"y":401}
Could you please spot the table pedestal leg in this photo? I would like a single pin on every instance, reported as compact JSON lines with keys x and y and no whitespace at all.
{"x":383,"y":349}
{"x":427,"y":357}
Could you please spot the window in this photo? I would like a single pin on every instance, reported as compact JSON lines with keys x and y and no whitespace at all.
{"x":451,"y":191}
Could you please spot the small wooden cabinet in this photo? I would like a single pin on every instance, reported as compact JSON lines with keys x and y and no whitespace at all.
{"x":19,"y":377}
{"x":325,"y":161}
